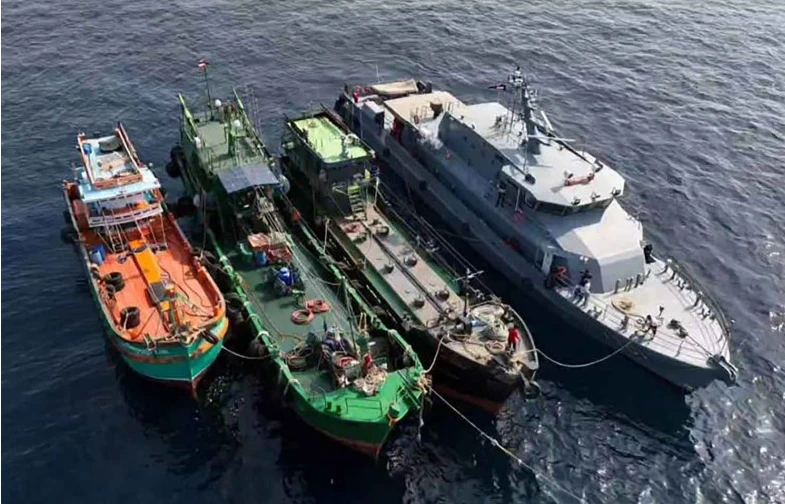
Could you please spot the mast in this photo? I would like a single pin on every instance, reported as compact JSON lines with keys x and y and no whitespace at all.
{"x":522,"y":90}
{"x":203,"y":64}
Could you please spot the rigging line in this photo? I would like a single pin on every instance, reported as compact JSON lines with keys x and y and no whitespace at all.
{"x":505,"y":450}
{"x":630,"y":341}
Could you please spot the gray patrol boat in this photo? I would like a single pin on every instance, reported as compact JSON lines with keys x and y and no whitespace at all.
{"x":548,"y":217}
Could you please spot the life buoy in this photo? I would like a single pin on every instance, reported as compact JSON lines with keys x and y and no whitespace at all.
{"x":345,"y":361}
{"x":317,"y":306}
{"x":302,"y":317}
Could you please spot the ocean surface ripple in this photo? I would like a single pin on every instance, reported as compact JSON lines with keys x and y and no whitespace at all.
{"x":686,"y":99}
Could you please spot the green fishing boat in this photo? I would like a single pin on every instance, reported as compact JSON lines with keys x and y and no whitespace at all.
{"x":338,"y":366}
{"x":450,"y":317}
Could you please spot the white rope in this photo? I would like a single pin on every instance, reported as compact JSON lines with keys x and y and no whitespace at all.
{"x":504,"y":450}
{"x":587,"y":364}
{"x":436,"y":355}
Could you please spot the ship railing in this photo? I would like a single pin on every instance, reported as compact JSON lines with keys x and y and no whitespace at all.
{"x":707,"y":300}
{"x":125,"y":217}
{"x":592,"y":305}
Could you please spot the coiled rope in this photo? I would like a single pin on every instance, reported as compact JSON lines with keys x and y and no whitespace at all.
{"x":504,"y":450}
{"x":592,"y":363}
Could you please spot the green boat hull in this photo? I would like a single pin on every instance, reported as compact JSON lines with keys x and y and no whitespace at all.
{"x":344,"y":415}
{"x":171,"y":364}
{"x":212,"y":169}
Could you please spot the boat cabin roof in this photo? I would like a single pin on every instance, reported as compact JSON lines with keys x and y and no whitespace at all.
{"x":543,"y":174}
{"x":245,"y":176}
{"x":328,"y":141}
{"x":550,"y":167}
{"x":110,"y":168}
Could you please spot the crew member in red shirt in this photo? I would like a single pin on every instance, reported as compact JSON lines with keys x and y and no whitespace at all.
{"x":513,"y":337}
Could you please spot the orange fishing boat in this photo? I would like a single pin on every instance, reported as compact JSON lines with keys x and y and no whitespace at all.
{"x":163,"y":311}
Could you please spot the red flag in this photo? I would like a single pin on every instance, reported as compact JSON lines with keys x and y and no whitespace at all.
{"x":203,"y":64}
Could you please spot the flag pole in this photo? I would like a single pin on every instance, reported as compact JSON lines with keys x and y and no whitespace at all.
{"x":203,"y":64}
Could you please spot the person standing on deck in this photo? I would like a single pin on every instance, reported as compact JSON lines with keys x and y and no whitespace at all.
{"x":513,"y":337}
{"x":501,"y":194}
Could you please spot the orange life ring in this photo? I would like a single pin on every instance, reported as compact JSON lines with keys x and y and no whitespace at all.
{"x":301,"y":317}
{"x":317,"y":306}
{"x":344,"y":361}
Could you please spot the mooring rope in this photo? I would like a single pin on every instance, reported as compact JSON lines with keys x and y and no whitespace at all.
{"x":592,"y":363}
{"x":247,"y":357}
{"x":504,"y":450}
{"x":436,"y":354}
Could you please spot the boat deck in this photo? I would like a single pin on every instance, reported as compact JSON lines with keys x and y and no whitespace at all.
{"x":215,"y":153}
{"x":276,"y":311}
{"x":200,"y":299}
{"x":388,"y":253}
{"x":704,"y":333}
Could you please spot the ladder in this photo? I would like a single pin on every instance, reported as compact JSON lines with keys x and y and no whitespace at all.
{"x":116,"y":238}
{"x":356,"y":201}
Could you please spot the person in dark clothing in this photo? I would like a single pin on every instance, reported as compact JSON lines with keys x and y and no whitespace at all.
{"x":501,"y":194}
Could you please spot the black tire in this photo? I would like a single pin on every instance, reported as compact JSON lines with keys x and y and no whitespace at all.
{"x":69,"y":235}
{"x":175,"y":153}
{"x":130,"y":317}
{"x":209,"y":336}
{"x":234,"y":308}
{"x":115,"y":279}
{"x":67,"y":218}
{"x":173,"y":169}
{"x":256,"y":348}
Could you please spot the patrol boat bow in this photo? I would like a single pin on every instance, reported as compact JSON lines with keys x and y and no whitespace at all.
{"x":547,"y":215}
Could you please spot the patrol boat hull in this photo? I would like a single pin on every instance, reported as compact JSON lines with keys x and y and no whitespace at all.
{"x":484,"y":234}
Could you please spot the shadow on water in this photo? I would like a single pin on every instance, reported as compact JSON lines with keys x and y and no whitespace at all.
{"x":193,"y":429}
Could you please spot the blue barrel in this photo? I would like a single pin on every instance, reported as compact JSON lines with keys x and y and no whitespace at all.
{"x":101,"y":250}
{"x":87,"y":149}
{"x":96,"y":257}
{"x":261,"y":258}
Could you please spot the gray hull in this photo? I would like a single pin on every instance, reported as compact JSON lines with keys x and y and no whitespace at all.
{"x":485,"y":241}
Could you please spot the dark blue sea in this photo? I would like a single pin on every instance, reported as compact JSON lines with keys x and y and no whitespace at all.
{"x":686,"y":99}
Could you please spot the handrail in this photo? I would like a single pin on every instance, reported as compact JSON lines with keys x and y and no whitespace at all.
{"x":705,"y":297}
{"x":125,"y":218}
